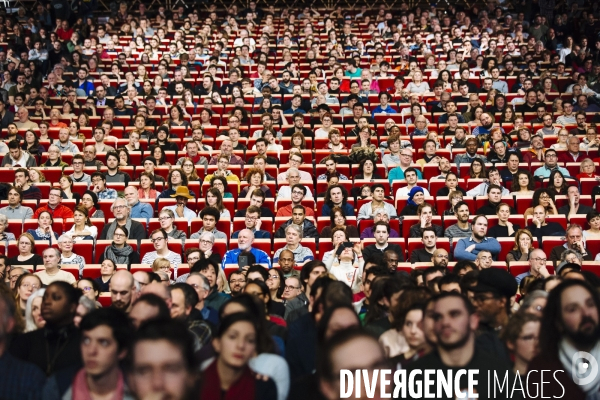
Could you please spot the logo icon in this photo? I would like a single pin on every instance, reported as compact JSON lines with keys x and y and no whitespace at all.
{"x":584,"y":367}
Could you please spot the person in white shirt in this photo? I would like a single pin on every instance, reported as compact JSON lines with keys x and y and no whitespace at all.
{"x":160,"y":239}
{"x":295,"y":162}
{"x":293,"y":178}
{"x":410,"y":175}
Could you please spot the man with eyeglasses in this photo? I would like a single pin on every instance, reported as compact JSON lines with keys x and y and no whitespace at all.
{"x":245,"y":240}
{"x":78,"y":175}
{"x":14,"y":274}
{"x":581,"y":128}
{"x":397,"y":173}
{"x":297,"y":193}
{"x":120,"y":210}
{"x":54,"y":206}
{"x":253,"y":223}
{"x":548,"y":129}
{"x":237,"y":282}
{"x":98,"y":186}
{"x":160,"y":239}
{"x":89,"y":157}
{"x":295,"y":162}
{"x":574,"y":151}
{"x":52,"y":271}
{"x":550,"y":164}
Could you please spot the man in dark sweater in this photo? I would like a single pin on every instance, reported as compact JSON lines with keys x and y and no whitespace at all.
{"x":574,"y":242}
{"x":574,"y":207}
{"x":429,"y":239}
{"x":121,"y":211}
{"x":257,"y":198}
{"x":382,"y":234}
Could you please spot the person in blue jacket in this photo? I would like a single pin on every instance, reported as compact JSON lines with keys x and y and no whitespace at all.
{"x":245,"y":240}
{"x":468,"y":248}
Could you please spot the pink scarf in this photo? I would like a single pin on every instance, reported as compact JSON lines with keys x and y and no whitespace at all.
{"x":80,"y":390}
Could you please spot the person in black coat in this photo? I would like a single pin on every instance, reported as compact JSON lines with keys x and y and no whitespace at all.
{"x":58,"y":344}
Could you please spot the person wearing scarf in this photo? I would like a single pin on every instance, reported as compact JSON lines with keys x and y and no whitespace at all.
{"x":411,"y":207}
{"x":93,"y":211}
{"x":119,"y":251}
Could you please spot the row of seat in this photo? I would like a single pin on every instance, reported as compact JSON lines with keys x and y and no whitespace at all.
{"x":91,"y":252}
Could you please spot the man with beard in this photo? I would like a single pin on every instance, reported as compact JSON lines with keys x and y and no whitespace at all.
{"x":183,"y":308}
{"x":468,"y":248}
{"x":440,"y":258}
{"x":428,"y":238}
{"x":455,"y":322}
{"x":570,"y":325}
{"x":237,"y":283}
{"x":462,"y":228}
{"x":122,"y":290}
{"x":467,"y":158}
{"x":245,"y":240}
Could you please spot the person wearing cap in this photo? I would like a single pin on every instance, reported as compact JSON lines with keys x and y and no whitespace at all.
{"x":491,"y":298}
{"x":468,"y":248}
{"x":182,"y":195}
{"x":380,"y":214}
{"x":138,"y":209}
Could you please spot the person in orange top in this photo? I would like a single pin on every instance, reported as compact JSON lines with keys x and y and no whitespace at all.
{"x":54,"y":207}
{"x":55,"y":119}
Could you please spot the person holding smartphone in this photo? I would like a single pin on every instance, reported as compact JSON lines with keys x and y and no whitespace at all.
{"x":347,"y":264}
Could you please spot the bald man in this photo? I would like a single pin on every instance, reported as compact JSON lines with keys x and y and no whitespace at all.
{"x":122,"y":290}
{"x":440,"y":258}
{"x":160,"y":290}
{"x":245,"y":240}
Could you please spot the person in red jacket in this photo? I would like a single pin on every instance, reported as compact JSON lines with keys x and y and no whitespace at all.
{"x":54,"y":207}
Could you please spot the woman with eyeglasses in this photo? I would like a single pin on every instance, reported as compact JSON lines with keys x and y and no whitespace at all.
{"x":545,"y":198}
{"x":107,"y":270}
{"x":220,"y":183}
{"x":24,"y":287}
{"x":189,"y":169}
{"x":119,"y":251}
{"x":27,"y":255}
{"x":33,"y":311}
{"x":477,"y":169}
{"x":90,"y":201}
{"x":563,"y":137}
{"x":167,"y":218}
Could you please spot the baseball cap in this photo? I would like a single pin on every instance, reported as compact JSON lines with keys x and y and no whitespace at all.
{"x":495,"y":280}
